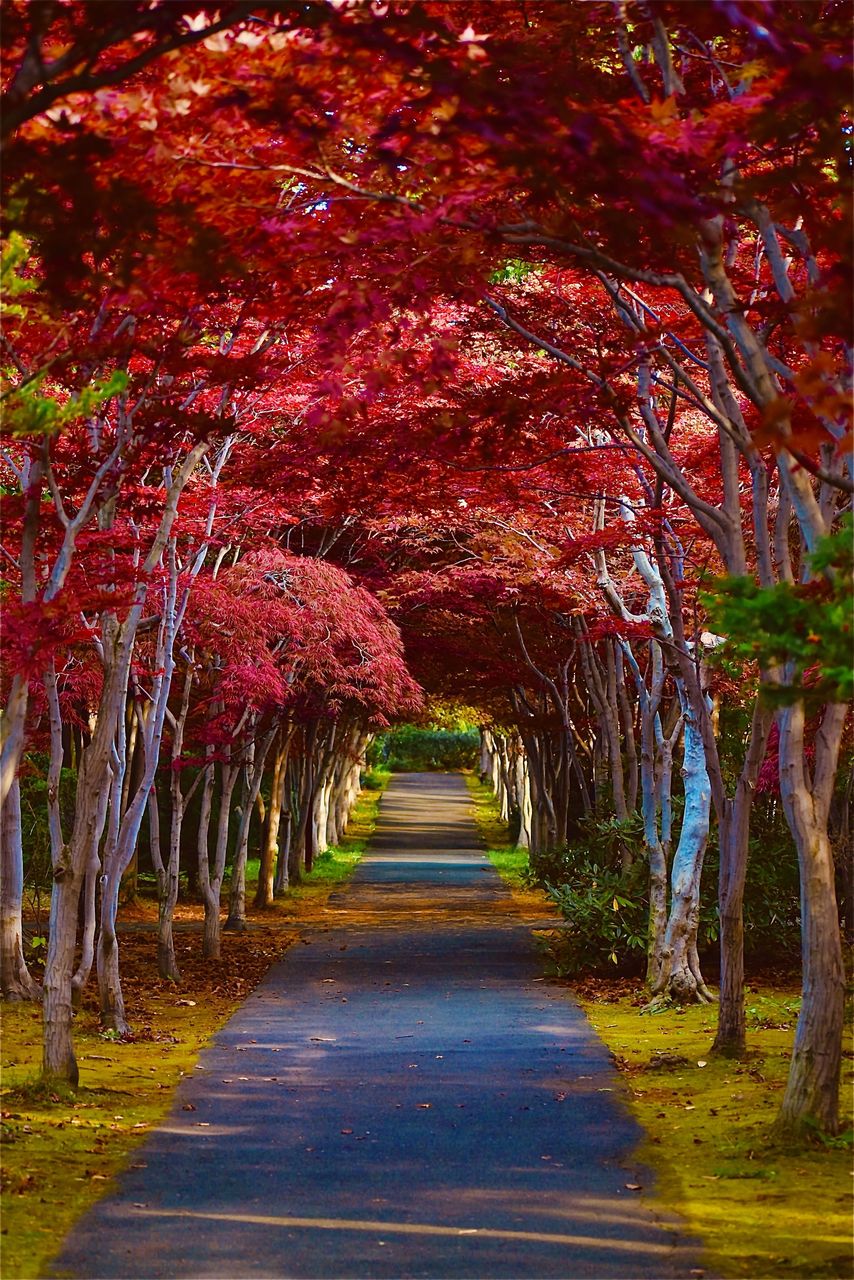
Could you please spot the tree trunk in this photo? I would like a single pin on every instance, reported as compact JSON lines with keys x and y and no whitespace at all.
{"x":319,"y":817}
{"x":485,"y":754}
{"x":283,"y":857}
{"x":628,"y":734}
{"x":812,"y":1091}
{"x":212,"y":883}
{"x":733,"y":837}
{"x":680,"y":978}
{"x":523,"y":791}
{"x":169,"y":873}
{"x":237,"y":896}
{"x":16,"y":981}
{"x":210,"y":942}
{"x":112,"y":1001}
{"x":302,"y":851}
{"x":167,"y":880}
{"x":90,"y":923}
{"x":270,"y":838}
{"x":134,"y":771}
{"x":69,"y":867}
{"x":655,"y":854}
{"x":58,"y":1060}
{"x":211,"y":935}
{"x":117,"y":644}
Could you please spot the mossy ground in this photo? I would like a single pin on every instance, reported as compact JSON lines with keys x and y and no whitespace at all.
{"x":62,"y":1148}
{"x":762,"y":1211}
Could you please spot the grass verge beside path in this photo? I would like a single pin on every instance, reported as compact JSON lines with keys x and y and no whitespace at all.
{"x":510,"y":862}
{"x":60,"y":1150}
{"x":763,"y":1212}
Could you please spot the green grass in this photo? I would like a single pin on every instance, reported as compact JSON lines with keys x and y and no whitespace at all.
{"x":510,"y":862}
{"x":62,"y":1149}
{"x":334,"y":866}
{"x":761,"y":1209}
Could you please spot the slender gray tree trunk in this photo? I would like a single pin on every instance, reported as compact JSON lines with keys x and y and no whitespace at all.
{"x":237,"y":897}
{"x":16,"y":981}
{"x":733,"y":838}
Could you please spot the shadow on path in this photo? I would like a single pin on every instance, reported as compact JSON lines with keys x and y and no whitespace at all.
{"x":402,"y":1097}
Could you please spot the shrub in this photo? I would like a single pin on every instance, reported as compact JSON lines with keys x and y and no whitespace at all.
{"x":412,"y":749}
{"x":603,"y":840}
{"x":607,"y":911}
{"x":608,"y":908}
{"x":374,"y":778}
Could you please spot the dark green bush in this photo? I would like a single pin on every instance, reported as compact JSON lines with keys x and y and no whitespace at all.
{"x":602,"y":840}
{"x":607,"y":911}
{"x":410,"y":749}
{"x":772,"y":902}
{"x":35,"y":832}
{"x":608,"y":907}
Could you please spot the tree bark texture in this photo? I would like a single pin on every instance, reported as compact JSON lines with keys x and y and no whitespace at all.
{"x":16,"y":981}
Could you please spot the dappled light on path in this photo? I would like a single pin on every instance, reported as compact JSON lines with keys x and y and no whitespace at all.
{"x":402,"y":1096}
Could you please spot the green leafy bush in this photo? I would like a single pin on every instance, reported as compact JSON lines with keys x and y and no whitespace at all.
{"x":607,"y":911}
{"x":374,"y":778}
{"x":35,"y":832}
{"x":772,"y":904}
{"x":604,"y":840}
{"x":411,"y":749}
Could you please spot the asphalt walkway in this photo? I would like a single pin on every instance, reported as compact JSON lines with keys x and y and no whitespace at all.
{"x":403,"y":1097}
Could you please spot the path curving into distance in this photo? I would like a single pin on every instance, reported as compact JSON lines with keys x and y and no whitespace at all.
{"x":403,"y":1097}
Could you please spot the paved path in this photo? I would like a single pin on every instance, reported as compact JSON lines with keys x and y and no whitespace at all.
{"x":403,"y":1097}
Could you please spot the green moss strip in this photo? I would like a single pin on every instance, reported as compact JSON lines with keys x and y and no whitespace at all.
{"x":762,"y":1211}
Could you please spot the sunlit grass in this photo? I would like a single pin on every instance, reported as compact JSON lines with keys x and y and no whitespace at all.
{"x":761,"y":1210}
{"x":61,"y":1150}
